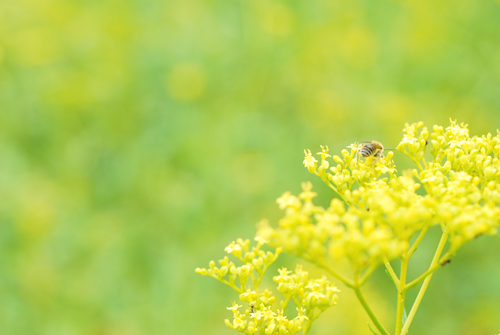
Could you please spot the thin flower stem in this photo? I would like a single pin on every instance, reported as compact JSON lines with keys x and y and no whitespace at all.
{"x":443,"y":226}
{"x":425,"y":162}
{"x":391,"y":272}
{"x":340,"y":195}
{"x":419,"y":165}
{"x":367,"y":274}
{"x":401,"y":295}
{"x":369,"y":311}
{"x":424,"y":275}
{"x":253,"y":279}
{"x":337,"y":275}
{"x":257,"y":282}
{"x":312,"y":317}
{"x":424,"y":286}
{"x":287,"y":300}
{"x":413,"y":159}
{"x":234,"y":287}
{"x":415,"y":245}
{"x":326,"y":181}
{"x":306,"y":329}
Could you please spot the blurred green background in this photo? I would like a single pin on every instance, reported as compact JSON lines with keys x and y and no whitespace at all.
{"x":138,"y":138}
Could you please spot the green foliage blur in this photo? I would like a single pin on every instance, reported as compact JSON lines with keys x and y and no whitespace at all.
{"x":138,"y":138}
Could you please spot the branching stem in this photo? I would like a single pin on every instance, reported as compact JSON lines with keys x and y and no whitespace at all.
{"x":369,"y":311}
{"x":417,"y":242}
{"x":234,"y":287}
{"x":421,"y":293}
{"x":343,"y":279}
{"x":432,"y":268}
{"x":391,"y":272}
{"x":367,"y":274}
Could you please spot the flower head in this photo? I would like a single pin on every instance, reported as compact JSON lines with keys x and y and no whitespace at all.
{"x":234,"y":307}
{"x":382,"y":209}
{"x":310,"y":162}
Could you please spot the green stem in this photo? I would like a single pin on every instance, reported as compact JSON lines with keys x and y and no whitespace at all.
{"x":297,"y":302}
{"x":418,"y":164}
{"x":431,"y":269}
{"x":253,"y":279}
{"x":285,"y":305}
{"x":391,"y":272}
{"x":368,"y":310}
{"x":414,"y":160}
{"x":367,"y":274}
{"x":306,"y":328}
{"x":419,"y":238}
{"x":421,"y":293}
{"x":401,"y":295}
{"x":424,"y":161}
{"x":257,"y":282}
{"x":333,"y":187}
{"x":337,"y":275}
{"x":310,"y":320}
{"x":234,"y":287}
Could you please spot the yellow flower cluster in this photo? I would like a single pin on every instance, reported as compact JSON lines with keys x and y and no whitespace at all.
{"x":255,"y":263}
{"x":462,"y":179}
{"x":349,"y":170}
{"x":381,"y":215}
{"x":366,"y":233}
{"x":265,"y":321}
{"x":383,"y":210}
{"x":310,"y":296}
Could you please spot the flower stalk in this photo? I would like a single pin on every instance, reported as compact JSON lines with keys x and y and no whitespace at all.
{"x":374,"y":223}
{"x":369,"y":311}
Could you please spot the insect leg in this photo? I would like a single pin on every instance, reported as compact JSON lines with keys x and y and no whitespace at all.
{"x":378,"y":156}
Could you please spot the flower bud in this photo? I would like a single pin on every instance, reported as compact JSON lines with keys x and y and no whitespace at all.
{"x":223,"y":271}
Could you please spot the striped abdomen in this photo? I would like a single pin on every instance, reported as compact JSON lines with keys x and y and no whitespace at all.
{"x":368,"y":150}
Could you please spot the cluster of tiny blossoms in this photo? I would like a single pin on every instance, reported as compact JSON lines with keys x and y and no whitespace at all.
{"x":381,"y":215}
{"x":461,"y":178}
{"x":310,"y":296}
{"x":381,"y":210}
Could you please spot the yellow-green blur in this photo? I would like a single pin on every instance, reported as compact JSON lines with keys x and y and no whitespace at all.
{"x":137,"y":138}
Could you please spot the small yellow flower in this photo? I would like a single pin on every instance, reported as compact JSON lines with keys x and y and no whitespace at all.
{"x":260,"y":240}
{"x":249,"y":296}
{"x":284,"y":275}
{"x":287,"y":200}
{"x":307,"y":194}
{"x":234,"y":307}
{"x":239,"y":323}
{"x":354,"y":146}
{"x":257,"y":315}
{"x":332,"y":289}
{"x":231,"y":247}
{"x":268,"y":313}
{"x":281,"y":318}
{"x":409,"y":139}
{"x":310,"y":162}
{"x":324,"y":152}
{"x":302,"y":314}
